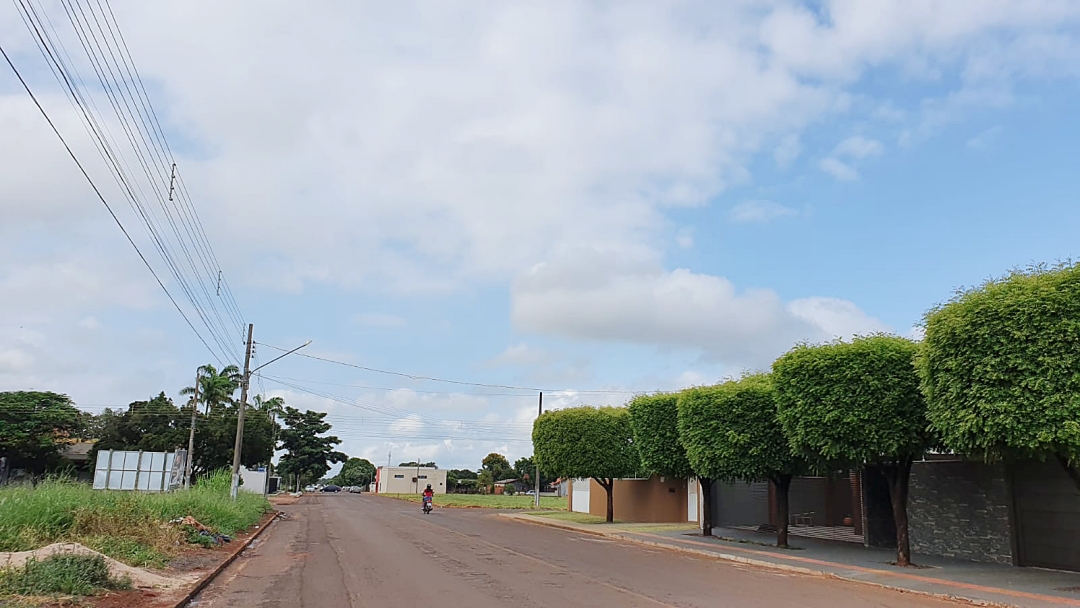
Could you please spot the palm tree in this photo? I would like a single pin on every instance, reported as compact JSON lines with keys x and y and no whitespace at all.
{"x":272,"y":407}
{"x":216,"y":388}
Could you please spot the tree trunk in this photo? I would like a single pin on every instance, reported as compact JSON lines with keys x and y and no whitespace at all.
{"x":608,"y":484}
{"x":1073,"y":473}
{"x":898,"y":476}
{"x":706,"y":506}
{"x":782,"y":485}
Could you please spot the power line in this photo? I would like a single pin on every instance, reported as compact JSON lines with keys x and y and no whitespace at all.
{"x":459,"y":382}
{"x":101,"y":197}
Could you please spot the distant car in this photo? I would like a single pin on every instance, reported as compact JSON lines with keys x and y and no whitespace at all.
{"x":309,"y":488}
{"x":530,"y":493}
{"x":331,"y":488}
{"x":355,"y":489}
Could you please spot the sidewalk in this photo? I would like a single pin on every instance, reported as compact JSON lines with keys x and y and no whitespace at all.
{"x":982,"y":584}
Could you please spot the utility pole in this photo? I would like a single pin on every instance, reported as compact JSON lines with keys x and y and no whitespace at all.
{"x":536,"y":492}
{"x":240,"y":416}
{"x":191,"y":435}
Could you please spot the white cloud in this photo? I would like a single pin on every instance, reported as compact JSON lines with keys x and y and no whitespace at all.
{"x":378,"y":319}
{"x":590,"y":294}
{"x":858,"y":147}
{"x":838,"y":169}
{"x":685,"y":237}
{"x":759,"y":211}
{"x":787,"y":151}
{"x":985,"y":140}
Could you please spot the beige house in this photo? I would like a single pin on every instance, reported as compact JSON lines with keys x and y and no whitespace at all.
{"x":653,"y":500}
{"x":409,"y":480}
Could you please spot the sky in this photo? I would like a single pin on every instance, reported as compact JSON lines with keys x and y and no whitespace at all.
{"x":577,"y":197}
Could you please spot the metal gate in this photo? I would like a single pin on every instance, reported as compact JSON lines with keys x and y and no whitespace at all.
{"x":1047,"y":516}
{"x":741,"y":504}
{"x":580,"y":495}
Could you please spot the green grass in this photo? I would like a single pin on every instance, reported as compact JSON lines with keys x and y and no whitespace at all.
{"x":569,"y":516}
{"x":127,"y":526}
{"x":488,"y":501}
{"x":60,"y":574}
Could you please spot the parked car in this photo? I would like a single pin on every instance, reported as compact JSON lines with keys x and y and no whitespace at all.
{"x":331,"y":488}
{"x":309,"y":488}
{"x":355,"y":489}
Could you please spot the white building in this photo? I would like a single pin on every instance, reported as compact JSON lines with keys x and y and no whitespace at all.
{"x":409,"y":480}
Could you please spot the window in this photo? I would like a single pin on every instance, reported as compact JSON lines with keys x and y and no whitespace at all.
{"x":399,"y":477}
{"x":423,"y":477}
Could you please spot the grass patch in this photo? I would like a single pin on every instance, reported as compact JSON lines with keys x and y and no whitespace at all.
{"x":60,"y":574}
{"x":128,"y":526}
{"x":569,"y":516}
{"x":488,"y":501}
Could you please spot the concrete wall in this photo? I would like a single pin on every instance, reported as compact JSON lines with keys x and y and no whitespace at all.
{"x":642,"y":500}
{"x":253,"y":481}
{"x":960,"y":509}
{"x":400,"y":480}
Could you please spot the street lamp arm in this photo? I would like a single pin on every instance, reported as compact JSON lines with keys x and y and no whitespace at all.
{"x":280,"y":357}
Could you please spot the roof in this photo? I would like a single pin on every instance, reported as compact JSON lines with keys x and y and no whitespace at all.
{"x":77,"y":451}
{"x":506,"y":481}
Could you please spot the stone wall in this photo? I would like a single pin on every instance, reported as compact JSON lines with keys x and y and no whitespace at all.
{"x":960,"y":509}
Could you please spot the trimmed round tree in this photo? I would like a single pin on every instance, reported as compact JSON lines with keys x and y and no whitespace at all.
{"x":1000,"y":368}
{"x":848,"y":404}
{"x":731,"y":433}
{"x":655,"y":421}
{"x":587,"y":442}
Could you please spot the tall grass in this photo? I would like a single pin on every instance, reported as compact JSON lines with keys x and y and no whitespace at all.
{"x":129,"y":526}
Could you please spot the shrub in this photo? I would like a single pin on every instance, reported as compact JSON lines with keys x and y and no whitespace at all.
{"x":66,"y":574}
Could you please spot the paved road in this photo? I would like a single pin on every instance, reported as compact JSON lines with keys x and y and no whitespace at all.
{"x":335,"y":551}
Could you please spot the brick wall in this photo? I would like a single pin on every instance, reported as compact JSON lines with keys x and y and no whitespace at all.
{"x":960,"y":509}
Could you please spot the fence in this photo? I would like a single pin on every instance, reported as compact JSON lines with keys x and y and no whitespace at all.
{"x":145,"y":471}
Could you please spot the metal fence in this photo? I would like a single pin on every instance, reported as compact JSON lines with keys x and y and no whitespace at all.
{"x":145,"y":471}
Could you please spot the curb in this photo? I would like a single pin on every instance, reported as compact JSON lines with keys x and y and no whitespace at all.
{"x":749,"y":561}
{"x":209,"y":576}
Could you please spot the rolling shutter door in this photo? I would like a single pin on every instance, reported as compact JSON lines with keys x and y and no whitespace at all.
{"x":1047,"y":516}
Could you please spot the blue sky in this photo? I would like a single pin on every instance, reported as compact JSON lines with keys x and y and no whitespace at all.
{"x":579,"y":197}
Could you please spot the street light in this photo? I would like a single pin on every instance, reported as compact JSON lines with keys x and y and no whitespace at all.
{"x":243,"y":407}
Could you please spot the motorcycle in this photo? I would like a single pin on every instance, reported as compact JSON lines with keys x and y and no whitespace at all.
{"x":427,"y":505}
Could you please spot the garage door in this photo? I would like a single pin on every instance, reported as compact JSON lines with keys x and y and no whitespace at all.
{"x":741,"y":504}
{"x":579,"y":501}
{"x":1047,"y":516}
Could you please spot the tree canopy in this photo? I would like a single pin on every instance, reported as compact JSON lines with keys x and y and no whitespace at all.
{"x":356,"y":472}
{"x":309,"y":454}
{"x":849,"y":403}
{"x":732,"y":433}
{"x":587,"y":442}
{"x":216,"y":388}
{"x":498,"y":465}
{"x":32,"y":425}
{"x":853,"y":403}
{"x":655,"y":422}
{"x":999,"y":368}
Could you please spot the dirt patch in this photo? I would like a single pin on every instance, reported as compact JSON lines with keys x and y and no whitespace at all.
{"x":140,"y":578}
{"x":282,"y":499}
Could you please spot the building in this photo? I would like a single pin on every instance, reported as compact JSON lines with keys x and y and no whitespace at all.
{"x":519,"y":486}
{"x":653,"y":500}
{"x":409,"y":480}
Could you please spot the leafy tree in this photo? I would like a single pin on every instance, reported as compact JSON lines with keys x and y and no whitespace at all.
{"x":485,"y":481}
{"x":309,"y":453}
{"x":356,"y":472}
{"x":654,"y":419}
{"x":418,"y":464}
{"x":157,"y":425}
{"x":732,"y":434}
{"x":525,"y":469}
{"x":154,"y":426}
{"x":455,"y":477}
{"x":216,"y":389}
{"x":497,"y":465}
{"x":999,"y":368}
{"x":852,"y":403}
{"x":587,"y":442}
{"x":31,"y":427}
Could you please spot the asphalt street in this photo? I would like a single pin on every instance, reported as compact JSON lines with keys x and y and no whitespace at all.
{"x":333,"y":551}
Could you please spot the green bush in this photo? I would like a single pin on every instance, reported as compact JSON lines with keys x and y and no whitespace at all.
{"x":66,"y":574}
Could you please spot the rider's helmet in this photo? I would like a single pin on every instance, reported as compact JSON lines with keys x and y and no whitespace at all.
{"x":429,"y":486}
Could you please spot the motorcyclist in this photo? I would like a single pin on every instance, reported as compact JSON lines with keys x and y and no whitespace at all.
{"x":429,"y":494}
